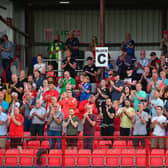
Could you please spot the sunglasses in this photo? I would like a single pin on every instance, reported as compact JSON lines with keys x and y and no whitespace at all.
{"x":110,"y":74}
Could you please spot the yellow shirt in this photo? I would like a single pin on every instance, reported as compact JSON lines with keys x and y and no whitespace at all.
{"x":125,"y":121}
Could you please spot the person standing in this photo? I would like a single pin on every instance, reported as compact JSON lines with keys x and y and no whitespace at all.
{"x":158,"y":125}
{"x":3,"y":128}
{"x":37,"y":115}
{"x":7,"y":53}
{"x":89,"y":122}
{"x":140,"y":121}
{"x":55,"y":120}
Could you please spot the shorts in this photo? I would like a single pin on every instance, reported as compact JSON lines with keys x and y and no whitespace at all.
{"x":71,"y":142}
{"x":15,"y":142}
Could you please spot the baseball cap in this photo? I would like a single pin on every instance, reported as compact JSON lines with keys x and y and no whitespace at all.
{"x":165,"y":32}
{"x":152,"y":54}
{"x":124,"y":49}
{"x":130,"y":68}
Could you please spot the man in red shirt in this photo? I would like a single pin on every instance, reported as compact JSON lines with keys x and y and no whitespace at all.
{"x":83,"y":104}
{"x":67,"y":103}
{"x":52,"y":92}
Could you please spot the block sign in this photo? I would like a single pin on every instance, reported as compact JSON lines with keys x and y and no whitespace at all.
{"x":101,"y":56}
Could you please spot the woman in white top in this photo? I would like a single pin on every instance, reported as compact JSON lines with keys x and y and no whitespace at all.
{"x":40,"y":66}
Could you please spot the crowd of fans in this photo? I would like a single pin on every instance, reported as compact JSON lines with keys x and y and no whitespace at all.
{"x":129,"y":99}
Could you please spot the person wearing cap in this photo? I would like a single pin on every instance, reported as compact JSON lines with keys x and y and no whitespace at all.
{"x":155,"y":61}
{"x":164,"y":42}
{"x":130,"y":79}
{"x":116,"y":87}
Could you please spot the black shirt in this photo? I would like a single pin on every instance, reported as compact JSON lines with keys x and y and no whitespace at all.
{"x":106,"y":120}
{"x":91,"y":69}
{"x":144,"y":83}
{"x":69,"y":68}
{"x":131,"y":79}
{"x":17,"y":85}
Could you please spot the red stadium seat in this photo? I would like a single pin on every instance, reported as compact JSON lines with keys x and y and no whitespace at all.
{"x":83,"y":157}
{"x":55,"y":158}
{"x":113,"y":157}
{"x":157,"y":157}
{"x":98,"y":157}
{"x":119,"y":143}
{"x":11,"y":158}
{"x":141,"y":158}
{"x":70,"y":157}
{"x":166,"y":159}
{"x":33,"y":144}
{"x":26,"y":157}
{"x":2,"y":153}
{"x":45,"y":144}
{"x":104,"y":144}
{"x":127,"y":157}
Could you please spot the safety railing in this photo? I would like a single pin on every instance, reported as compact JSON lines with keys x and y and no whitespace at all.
{"x":9,"y":66}
{"x":116,"y":151}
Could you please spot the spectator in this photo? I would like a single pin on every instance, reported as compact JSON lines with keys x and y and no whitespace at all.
{"x":66,"y":80}
{"x":102,"y":94}
{"x":2,"y":86}
{"x":163,"y":66}
{"x":52,"y":92}
{"x":38,"y":80}
{"x":140,"y":122}
{"x":53,"y":51}
{"x":154,"y":62}
{"x":73,"y":43}
{"x":3,"y":128}
{"x":129,"y":45}
{"x":28,"y":104}
{"x":22,"y":78}
{"x":116,"y":87}
{"x":154,"y":83}
{"x":166,"y":102}
{"x":15,"y":102}
{"x":141,"y":64}
{"x":126,"y":114}
{"x":93,"y":44}
{"x":85,"y":89}
{"x":158,"y":125}
{"x":69,"y":63}
{"x":138,"y":96}
{"x":30,"y":89}
{"x":50,"y":72}
{"x":156,"y":101}
{"x":16,"y":86}
{"x":130,"y":79}
{"x":145,"y":78}
{"x":55,"y":120}
{"x":123,"y":62}
{"x":116,"y":119}
{"x":7,"y":54}
{"x":164,"y":43}
{"x":109,"y":78}
{"x":37,"y":115}
{"x":125,"y":95}
{"x":89,"y":123}
{"x":83,"y":104}
{"x":67,"y":103}
{"x":40,"y":66}
{"x":4,"y":104}
{"x":91,"y":70}
{"x":107,"y":115}
{"x":71,"y":125}
{"x":16,"y":130}
{"x":164,"y":80}
{"x":42,"y":90}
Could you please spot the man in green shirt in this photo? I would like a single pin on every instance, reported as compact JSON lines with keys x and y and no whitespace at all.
{"x":138,"y":96}
{"x":66,"y":80}
{"x":53,"y":51}
{"x":71,"y":126}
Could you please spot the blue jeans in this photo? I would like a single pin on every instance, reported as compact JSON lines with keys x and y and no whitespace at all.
{"x":27,"y":124}
{"x":52,"y":141}
{"x":5,"y":63}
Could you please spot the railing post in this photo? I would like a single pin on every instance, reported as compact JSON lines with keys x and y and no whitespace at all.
{"x":147,"y":151}
{"x":59,"y":62}
{"x":63,"y":150}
